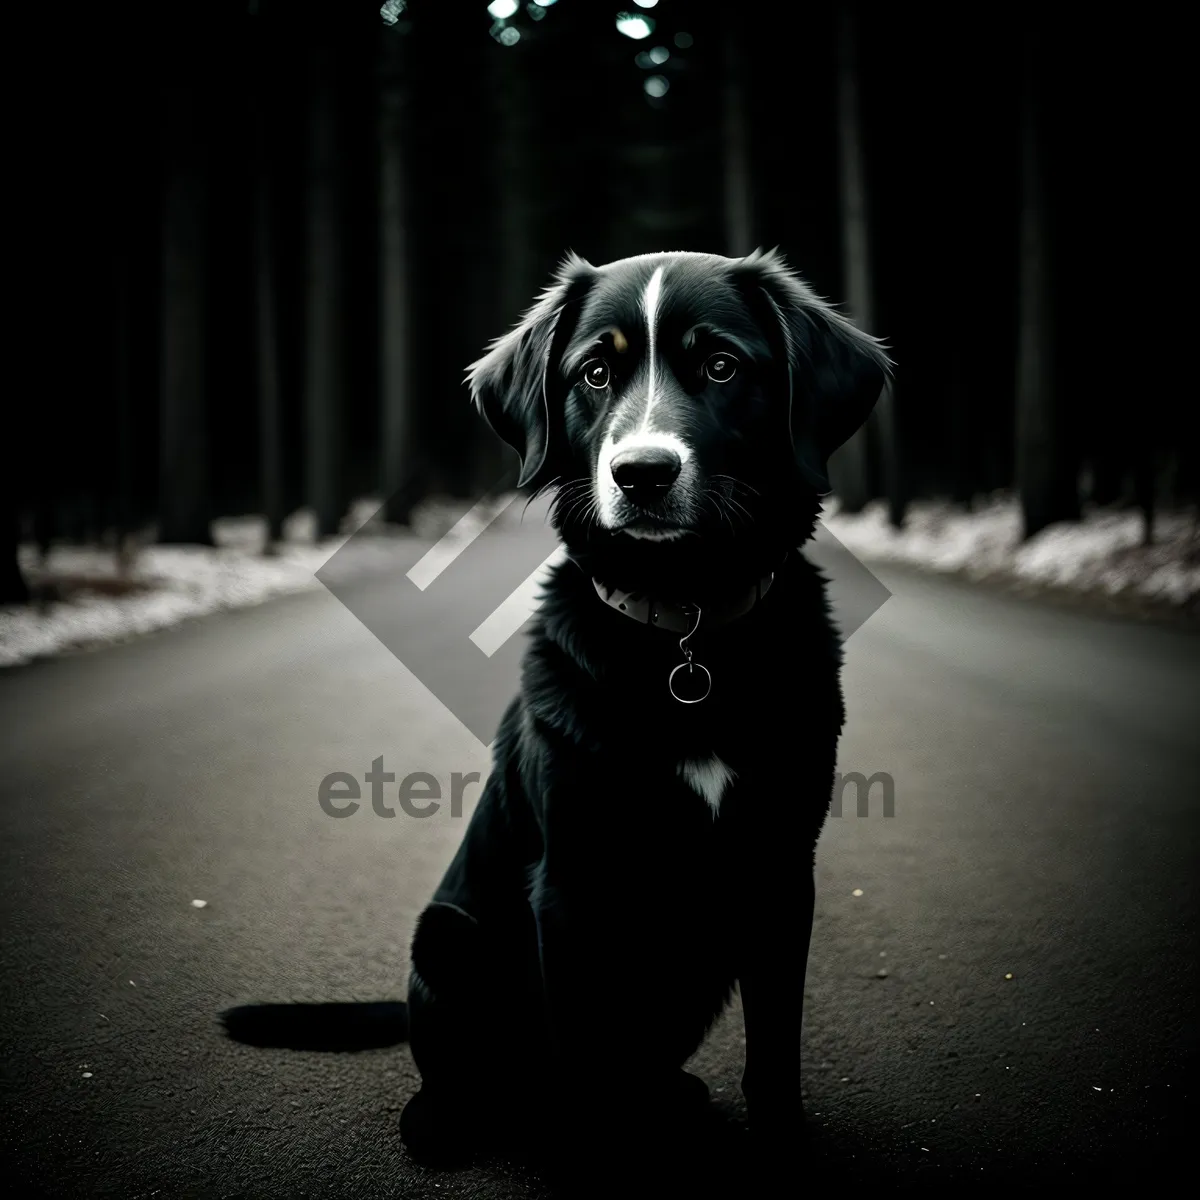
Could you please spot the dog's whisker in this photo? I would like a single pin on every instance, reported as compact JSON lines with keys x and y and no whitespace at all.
{"x":714,"y":499}
{"x":539,"y":493}
{"x":738,"y":483}
{"x":569,"y":492}
{"x":566,"y":497}
{"x":740,"y":507}
{"x":730,"y":501}
{"x":566,"y":486}
{"x":581,"y":499}
{"x":544,"y":488}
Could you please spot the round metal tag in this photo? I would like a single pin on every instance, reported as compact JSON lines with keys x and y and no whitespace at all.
{"x":691,"y":687}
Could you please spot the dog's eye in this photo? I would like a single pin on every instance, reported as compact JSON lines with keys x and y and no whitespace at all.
{"x":596,"y":374}
{"x":721,"y":368}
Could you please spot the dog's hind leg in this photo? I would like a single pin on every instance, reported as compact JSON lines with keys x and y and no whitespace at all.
{"x":466,"y":1037}
{"x":446,"y":986}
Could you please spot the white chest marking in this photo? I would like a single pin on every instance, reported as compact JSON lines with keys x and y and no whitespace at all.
{"x":708,"y":778}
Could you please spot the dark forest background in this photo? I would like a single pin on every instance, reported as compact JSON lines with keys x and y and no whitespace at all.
{"x":258,"y":243}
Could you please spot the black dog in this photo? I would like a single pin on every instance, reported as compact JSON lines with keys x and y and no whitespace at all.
{"x":646,"y":838}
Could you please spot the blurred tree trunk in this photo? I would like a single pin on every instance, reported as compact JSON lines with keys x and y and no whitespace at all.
{"x":963,"y":470}
{"x":122,"y":334}
{"x":891,"y":459}
{"x":1046,"y":495}
{"x":513,"y":166}
{"x":13,"y":589}
{"x":266,"y":336}
{"x":1107,"y":474}
{"x":324,"y":335}
{"x":184,"y":501}
{"x":399,"y":465}
{"x":739,"y":192}
{"x":849,"y":468}
{"x":1145,"y":490}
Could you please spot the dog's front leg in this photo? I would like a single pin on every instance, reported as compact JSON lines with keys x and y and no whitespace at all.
{"x":577,"y":1034}
{"x":573,"y":1010}
{"x":599,"y":1052}
{"x":771,"y":981}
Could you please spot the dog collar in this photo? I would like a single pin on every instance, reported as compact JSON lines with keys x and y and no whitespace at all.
{"x":681,"y":618}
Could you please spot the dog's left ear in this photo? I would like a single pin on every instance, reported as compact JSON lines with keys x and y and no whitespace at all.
{"x":836,"y":372}
{"x":511,"y":384}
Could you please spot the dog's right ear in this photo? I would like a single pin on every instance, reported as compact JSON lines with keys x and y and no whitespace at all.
{"x":510,"y":385}
{"x":835,"y":371}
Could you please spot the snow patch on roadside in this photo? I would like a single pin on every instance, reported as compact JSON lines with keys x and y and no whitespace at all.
{"x":1102,"y":553}
{"x":169,"y":584}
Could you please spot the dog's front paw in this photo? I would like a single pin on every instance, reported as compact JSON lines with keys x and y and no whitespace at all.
{"x":779,"y":1123}
{"x":438,"y":1132}
{"x":671,"y":1098}
{"x":691,"y":1092}
{"x":776,"y":1114}
{"x":777,"y":1140}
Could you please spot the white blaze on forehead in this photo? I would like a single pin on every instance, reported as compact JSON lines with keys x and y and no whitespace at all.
{"x":644,"y":437}
{"x":650,"y":300}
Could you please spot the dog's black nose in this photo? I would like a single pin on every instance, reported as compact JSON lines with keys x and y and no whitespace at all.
{"x":646,"y":474}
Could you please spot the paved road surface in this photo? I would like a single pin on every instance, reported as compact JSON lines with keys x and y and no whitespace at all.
{"x":1032,"y":902}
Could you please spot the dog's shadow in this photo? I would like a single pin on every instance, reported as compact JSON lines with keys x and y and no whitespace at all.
{"x":332,"y":1028}
{"x":713,"y":1165}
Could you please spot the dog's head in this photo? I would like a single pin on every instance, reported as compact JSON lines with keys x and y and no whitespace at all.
{"x":677,"y":394}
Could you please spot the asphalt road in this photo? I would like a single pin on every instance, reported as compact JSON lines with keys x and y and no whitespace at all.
{"x":1002,"y":980}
